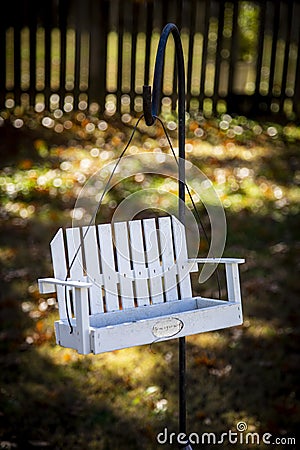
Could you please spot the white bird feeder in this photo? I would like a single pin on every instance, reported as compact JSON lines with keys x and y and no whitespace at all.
{"x":130,"y":285}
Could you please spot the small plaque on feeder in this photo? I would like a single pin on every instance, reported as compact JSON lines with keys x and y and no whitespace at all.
{"x":167,"y":327}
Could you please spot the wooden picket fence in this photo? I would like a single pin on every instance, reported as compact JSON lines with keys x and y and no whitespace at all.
{"x":241,"y":56}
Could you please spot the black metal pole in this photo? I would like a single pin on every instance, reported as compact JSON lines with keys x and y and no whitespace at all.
{"x":151,"y":109}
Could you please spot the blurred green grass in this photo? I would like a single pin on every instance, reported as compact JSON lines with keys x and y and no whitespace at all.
{"x":53,"y":398}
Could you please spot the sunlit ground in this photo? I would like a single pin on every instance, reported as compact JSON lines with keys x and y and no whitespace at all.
{"x":54,"y":398}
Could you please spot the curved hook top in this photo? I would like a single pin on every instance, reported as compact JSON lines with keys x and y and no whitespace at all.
{"x":151,"y":108}
{"x":169,"y":28}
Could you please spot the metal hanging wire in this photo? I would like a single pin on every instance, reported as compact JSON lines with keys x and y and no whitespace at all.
{"x":105,"y":190}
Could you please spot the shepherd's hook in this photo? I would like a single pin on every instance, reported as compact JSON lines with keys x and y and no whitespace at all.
{"x":151,"y":107}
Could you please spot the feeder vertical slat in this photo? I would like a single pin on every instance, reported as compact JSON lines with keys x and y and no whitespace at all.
{"x":91,"y":253}
{"x":75,"y":256}
{"x":75,"y":252}
{"x":138,"y":261}
{"x":60,"y":270}
{"x":181,"y":258}
{"x":108,"y":267}
{"x":153,"y":261}
{"x":168,"y":260}
{"x":124,"y":266}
